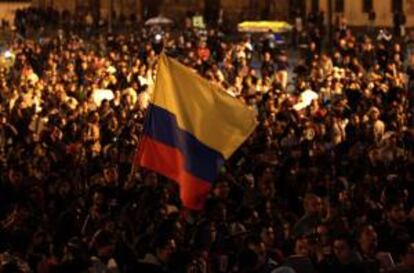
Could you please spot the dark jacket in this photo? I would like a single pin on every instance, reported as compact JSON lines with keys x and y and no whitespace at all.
{"x":151,"y":264}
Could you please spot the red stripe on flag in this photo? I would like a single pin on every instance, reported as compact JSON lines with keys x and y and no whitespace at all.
{"x":170,"y":162}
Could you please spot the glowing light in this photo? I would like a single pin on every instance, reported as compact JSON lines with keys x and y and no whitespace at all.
{"x":8,"y":54}
{"x":158,"y":37}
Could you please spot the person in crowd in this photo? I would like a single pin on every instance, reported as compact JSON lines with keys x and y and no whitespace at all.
{"x":407,"y":262}
{"x":324,"y":184}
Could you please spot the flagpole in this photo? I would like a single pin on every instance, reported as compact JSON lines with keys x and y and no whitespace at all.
{"x":134,"y":167}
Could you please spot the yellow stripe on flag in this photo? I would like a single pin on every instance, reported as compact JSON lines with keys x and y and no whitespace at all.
{"x":212,"y":116}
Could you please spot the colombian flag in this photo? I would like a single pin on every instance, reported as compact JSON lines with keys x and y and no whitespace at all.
{"x":191,"y":127}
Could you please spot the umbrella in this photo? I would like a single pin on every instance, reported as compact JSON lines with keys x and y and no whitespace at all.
{"x":264,"y":26}
{"x":159,"y":20}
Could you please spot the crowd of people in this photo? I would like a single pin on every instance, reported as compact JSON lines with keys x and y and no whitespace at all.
{"x":325,"y":183}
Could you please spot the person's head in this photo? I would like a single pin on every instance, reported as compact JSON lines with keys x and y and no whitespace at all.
{"x":205,"y":235}
{"x":355,"y":120}
{"x":342,"y":249}
{"x":302,"y":246}
{"x":411,"y":58}
{"x":15,"y":176}
{"x":249,"y":217}
{"x":408,"y":257}
{"x":287,"y":230}
{"x":64,"y":187}
{"x":105,"y":105}
{"x":75,"y":247}
{"x":395,"y":213}
{"x":312,"y":46}
{"x":94,"y":117}
{"x":222,"y":189}
{"x":256,"y":244}
{"x":249,"y":182}
{"x":98,"y":198}
{"x":3,"y":118}
{"x":368,"y":239}
{"x":203,"y":44}
{"x":267,"y":208}
{"x":151,"y":179}
{"x":322,"y":231}
{"x":397,"y":47}
{"x":164,"y":246}
{"x":267,"y":234}
{"x":110,"y":174}
{"x":374,"y":113}
{"x":312,"y":204}
{"x":267,"y":56}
